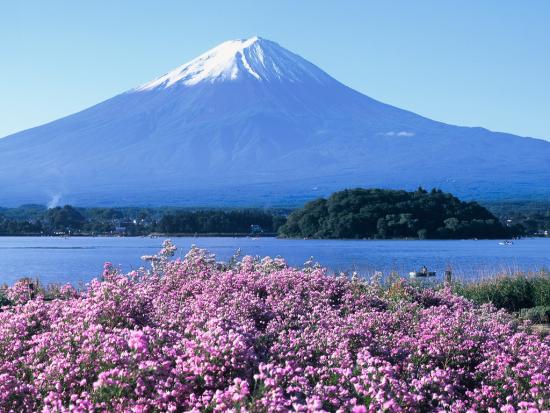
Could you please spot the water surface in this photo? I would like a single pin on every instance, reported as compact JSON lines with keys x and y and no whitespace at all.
{"x":79,"y":259}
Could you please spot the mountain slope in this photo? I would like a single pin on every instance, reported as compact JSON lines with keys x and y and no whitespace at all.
{"x":249,"y":122}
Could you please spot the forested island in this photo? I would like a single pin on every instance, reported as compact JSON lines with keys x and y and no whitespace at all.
{"x":386,"y":214}
{"x":355,"y":213}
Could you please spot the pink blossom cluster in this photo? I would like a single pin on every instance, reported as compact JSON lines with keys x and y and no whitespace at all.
{"x":20,"y":292}
{"x":259,"y":336}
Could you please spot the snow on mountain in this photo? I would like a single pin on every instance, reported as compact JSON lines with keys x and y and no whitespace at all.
{"x":251,"y":123}
{"x":257,"y":58}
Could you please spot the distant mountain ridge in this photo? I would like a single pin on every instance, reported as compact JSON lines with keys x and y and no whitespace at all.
{"x":251,"y":123}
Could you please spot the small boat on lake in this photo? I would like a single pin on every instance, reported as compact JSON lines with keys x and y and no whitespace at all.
{"x":422,"y":273}
{"x":506,"y":242}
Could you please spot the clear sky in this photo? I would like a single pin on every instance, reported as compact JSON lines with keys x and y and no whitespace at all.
{"x":474,"y":63}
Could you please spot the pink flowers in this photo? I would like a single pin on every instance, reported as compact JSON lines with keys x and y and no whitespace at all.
{"x":20,"y":292}
{"x":138,"y":341}
{"x":196,"y":335}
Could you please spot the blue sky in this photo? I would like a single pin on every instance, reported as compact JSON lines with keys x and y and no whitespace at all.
{"x":474,"y":63}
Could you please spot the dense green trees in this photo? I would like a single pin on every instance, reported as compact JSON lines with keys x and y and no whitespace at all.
{"x":358,"y":213}
{"x":378,"y":213}
{"x":15,"y":227}
{"x":533,"y":216}
{"x":64,"y":218}
{"x":38,"y":220}
{"x":241,"y":221}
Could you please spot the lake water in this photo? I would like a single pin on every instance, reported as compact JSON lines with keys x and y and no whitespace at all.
{"x":79,"y":259}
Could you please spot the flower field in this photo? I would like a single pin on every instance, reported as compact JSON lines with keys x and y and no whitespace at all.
{"x":258,"y":336}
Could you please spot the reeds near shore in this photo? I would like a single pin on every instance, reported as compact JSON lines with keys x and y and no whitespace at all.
{"x":511,"y":292}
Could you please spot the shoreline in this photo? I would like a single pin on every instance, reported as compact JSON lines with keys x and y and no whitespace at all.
{"x":263,"y":235}
{"x":152,"y":236}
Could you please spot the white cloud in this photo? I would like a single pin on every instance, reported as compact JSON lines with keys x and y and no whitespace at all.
{"x":400,"y":133}
{"x":405,"y":133}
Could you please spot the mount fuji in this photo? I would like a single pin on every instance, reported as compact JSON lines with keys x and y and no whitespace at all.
{"x":251,"y":123}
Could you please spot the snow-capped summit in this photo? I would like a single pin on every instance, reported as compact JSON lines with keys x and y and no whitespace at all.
{"x":255,"y":58}
{"x":251,"y":123}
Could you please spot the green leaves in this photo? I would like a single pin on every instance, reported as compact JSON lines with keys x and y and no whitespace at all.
{"x":379,"y":213}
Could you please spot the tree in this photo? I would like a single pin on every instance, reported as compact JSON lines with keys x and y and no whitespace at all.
{"x":64,"y":218}
{"x":369,"y":213}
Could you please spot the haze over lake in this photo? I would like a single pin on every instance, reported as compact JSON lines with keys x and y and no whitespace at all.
{"x":80,"y":259}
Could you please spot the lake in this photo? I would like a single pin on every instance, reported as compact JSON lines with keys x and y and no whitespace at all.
{"x":79,"y":259}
